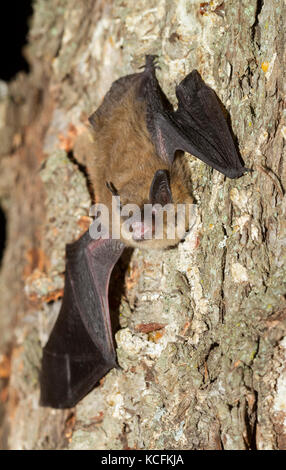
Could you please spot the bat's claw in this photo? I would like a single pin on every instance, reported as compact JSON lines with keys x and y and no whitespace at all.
{"x":150,"y":63}
{"x":111,"y":188}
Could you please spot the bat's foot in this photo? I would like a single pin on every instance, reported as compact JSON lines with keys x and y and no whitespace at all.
{"x":150,"y":63}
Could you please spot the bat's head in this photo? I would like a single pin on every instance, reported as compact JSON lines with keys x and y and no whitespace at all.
{"x":161,"y":220}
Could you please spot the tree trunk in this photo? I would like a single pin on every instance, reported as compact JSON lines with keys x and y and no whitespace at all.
{"x":214,"y":377}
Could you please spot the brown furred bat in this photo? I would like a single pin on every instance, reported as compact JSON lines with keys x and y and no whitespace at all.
{"x":126,"y":152}
{"x":138,"y":140}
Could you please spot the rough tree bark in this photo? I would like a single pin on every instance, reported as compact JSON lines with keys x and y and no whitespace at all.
{"x":214,"y":377}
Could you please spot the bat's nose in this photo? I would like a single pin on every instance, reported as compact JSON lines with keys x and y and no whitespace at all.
{"x":141,"y":231}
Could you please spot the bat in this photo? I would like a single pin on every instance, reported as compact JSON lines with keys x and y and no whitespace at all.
{"x":138,"y":141}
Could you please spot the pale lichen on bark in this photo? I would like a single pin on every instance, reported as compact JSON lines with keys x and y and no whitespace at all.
{"x":213,"y":376}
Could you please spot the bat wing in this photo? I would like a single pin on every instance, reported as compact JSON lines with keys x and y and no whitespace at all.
{"x":80,"y":349}
{"x":198,"y":127}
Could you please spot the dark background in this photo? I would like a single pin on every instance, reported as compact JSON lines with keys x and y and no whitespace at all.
{"x":14,"y":26}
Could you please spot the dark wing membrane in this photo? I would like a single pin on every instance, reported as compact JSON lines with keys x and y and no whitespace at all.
{"x":157,"y":104}
{"x":80,"y":349}
{"x":199,"y":127}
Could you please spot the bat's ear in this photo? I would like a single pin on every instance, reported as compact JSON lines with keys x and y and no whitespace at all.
{"x":160,"y":190}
